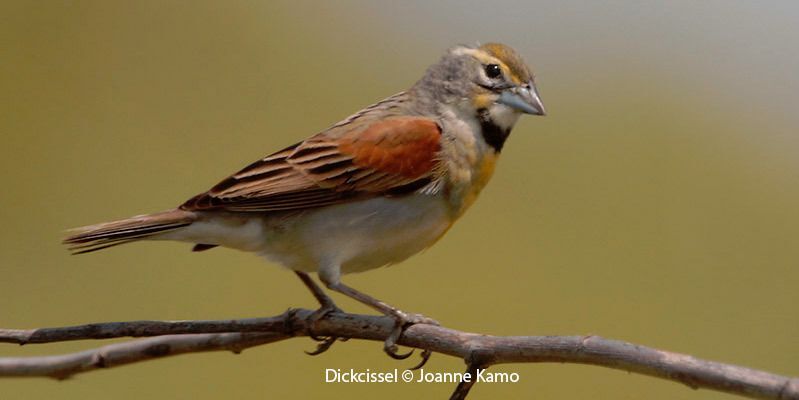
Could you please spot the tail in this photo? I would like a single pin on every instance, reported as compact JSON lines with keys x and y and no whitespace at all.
{"x":108,"y":234}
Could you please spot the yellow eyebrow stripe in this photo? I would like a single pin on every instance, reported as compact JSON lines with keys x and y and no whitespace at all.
{"x":518,"y":70}
{"x":487,"y":58}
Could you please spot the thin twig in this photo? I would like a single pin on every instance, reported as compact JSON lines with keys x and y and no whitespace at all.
{"x":67,"y":365}
{"x":179,"y":337}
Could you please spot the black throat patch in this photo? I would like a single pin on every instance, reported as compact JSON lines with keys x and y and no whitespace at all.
{"x":493,"y":134}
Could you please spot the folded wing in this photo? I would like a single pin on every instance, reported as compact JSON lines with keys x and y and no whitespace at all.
{"x":387,"y":157}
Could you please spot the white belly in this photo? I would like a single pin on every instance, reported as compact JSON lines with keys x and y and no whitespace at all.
{"x":373,"y":233}
{"x":354,"y":236}
{"x":357,"y":236}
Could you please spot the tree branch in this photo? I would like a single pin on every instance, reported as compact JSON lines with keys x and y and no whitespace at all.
{"x":479,"y":351}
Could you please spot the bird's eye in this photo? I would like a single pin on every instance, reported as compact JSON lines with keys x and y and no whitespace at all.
{"x":493,"y":70}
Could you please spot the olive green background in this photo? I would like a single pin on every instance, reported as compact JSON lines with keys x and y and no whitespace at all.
{"x":656,"y":203}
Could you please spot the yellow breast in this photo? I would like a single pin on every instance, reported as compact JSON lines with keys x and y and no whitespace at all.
{"x":463,"y":192}
{"x":483,"y":173}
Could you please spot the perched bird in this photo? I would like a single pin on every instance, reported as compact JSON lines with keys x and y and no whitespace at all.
{"x":371,"y":190}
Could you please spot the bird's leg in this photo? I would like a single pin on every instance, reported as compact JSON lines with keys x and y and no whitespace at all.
{"x":324,"y":300}
{"x":327,"y":306}
{"x":403,"y":319}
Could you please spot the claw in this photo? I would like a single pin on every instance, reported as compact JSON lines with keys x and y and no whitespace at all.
{"x":317,"y":316}
{"x":403,"y":321}
{"x":324,"y":341}
{"x":323,"y":346}
{"x":392,"y":352}
{"x":425,"y":356}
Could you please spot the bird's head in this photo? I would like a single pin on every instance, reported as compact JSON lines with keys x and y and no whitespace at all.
{"x":489,"y":76}
{"x":491,"y":82}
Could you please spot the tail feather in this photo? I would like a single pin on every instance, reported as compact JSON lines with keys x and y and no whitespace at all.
{"x":97,"y":237}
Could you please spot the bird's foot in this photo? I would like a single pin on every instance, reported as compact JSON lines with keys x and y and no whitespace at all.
{"x":402,"y":322}
{"x":328,"y":307}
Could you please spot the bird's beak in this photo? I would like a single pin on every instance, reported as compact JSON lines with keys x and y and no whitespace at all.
{"x":523,"y":98}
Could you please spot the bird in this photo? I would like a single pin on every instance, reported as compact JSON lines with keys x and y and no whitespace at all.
{"x":371,"y":190}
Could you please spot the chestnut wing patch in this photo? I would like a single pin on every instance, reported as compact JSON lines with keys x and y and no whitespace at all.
{"x":390,"y":157}
{"x":376,"y":158}
{"x":402,"y":146}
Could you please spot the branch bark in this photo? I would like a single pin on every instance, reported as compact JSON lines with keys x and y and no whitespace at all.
{"x":168,"y":338}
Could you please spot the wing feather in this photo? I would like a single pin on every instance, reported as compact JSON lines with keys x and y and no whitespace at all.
{"x":389,"y":157}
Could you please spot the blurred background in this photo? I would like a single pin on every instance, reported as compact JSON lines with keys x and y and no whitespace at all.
{"x":656,"y":203}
